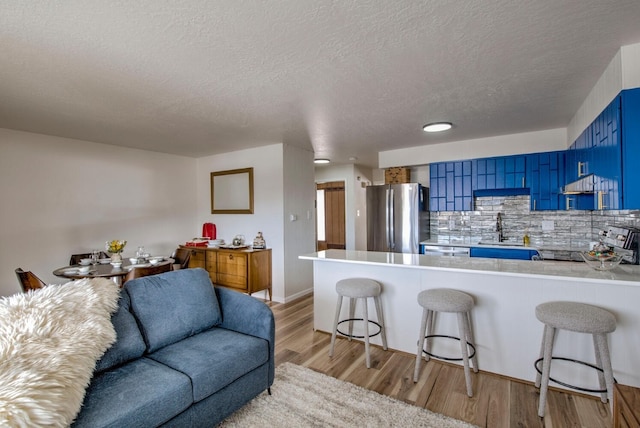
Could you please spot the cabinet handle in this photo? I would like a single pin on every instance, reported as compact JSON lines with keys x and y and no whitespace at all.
{"x":568,"y":203}
{"x":534,"y":204}
{"x":523,"y":182}
{"x":230,"y":256}
{"x":581,"y":169}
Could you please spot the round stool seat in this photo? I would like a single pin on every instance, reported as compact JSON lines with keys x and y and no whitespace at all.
{"x":577,"y":317}
{"x":445,"y":300}
{"x":358,"y":287}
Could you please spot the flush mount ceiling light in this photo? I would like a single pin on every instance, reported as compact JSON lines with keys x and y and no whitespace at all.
{"x":321,"y":161}
{"x":437,"y":127}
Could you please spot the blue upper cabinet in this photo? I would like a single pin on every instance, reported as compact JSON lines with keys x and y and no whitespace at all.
{"x":450,"y":186}
{"x":606,"y":159}
{"x":499,"y":173}
{"x":545,"y":175}
{"x":630,"y":139}
{"x":597,"y":151}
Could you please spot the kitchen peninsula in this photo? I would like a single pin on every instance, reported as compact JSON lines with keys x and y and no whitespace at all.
{"x":506,"y":292}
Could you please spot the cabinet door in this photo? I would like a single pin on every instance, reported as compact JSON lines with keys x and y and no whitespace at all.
{"x":438,"y":186}
{"x":197,"y":259}
{"x":630,"y":142}
{"x":515,"y":172}
{"x":607,"y":157}
{"x":212,"y":265}
{"x":462,"y":193}
{"x":484,"y":174}
{"x":545,"y":175}
{"x":232,"y":269}
{"x":259,"y":271}
{"x":450,"y":186}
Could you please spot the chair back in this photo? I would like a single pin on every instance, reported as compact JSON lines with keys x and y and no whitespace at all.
{"x":75,"y":258}
{"x":181,"y":256}
{"x":141,"y":271}
{"x":28,"y":281}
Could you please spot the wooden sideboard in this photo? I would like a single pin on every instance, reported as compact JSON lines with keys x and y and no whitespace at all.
{"x":626,"y":406}
{"x":245,"y":270}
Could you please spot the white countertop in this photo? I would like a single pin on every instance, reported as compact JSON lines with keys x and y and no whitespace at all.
{"x":623,"y":274}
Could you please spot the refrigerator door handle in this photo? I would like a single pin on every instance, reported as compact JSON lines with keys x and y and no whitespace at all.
{"x":392,"y":219}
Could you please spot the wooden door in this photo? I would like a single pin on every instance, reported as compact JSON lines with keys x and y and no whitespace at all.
{"x":334,"y":216}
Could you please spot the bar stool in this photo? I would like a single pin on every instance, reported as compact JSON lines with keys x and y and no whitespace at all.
{"x":580,"y":318}
{"x":454,"y":301}
{"x":354,"y":289}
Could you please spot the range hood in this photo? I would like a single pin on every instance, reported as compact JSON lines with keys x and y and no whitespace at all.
{"x":583,"y":185}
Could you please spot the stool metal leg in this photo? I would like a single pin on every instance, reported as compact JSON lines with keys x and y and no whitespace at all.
{"x":549,"y":335}
{"x":464,"y":334}
{"x":366,"y":333}
{"x":335,"y":325}
{"x":539,"y":375}
{"x":352,"y":315}
{"x":430,"y":321}
{"x":376,"y":299}
{"x":601,"y":381}
{"x":603,"y":348}
{"x":422,"y":334}
{"x":471,"y":341}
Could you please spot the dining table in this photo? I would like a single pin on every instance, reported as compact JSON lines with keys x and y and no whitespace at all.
{"x":106,"y":270}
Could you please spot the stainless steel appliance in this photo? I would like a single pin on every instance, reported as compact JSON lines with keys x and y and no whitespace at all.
{"x":397,"y":217}
{"x":623,"y":237}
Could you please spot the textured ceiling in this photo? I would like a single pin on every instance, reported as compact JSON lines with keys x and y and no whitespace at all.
{"x":343,"y":78}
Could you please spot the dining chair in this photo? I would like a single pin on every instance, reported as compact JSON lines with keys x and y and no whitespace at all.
{"x":181,"y":257}
{"x":75,"y":258}
{"x":28,"y":280}
{"x":141,"y":271}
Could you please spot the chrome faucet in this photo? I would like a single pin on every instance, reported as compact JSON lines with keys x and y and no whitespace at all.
{"x":501,"y":237}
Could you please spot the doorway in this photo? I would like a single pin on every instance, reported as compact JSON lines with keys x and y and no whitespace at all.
{"x":330,"y":207}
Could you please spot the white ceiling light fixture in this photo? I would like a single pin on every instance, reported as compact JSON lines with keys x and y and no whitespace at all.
{"x":437,"y":127}
{"x":321,"y":161}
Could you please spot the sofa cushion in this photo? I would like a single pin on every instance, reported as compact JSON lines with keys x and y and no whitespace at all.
{"x":213,"y":359}
{"x":140,"y":393}
{"x":173,"y":305}
{"x":129,"y":343}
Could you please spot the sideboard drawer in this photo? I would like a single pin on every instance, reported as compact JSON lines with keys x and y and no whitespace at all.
{"x":232,"y":269}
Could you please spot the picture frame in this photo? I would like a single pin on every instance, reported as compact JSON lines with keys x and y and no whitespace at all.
{"x":232,"y":191}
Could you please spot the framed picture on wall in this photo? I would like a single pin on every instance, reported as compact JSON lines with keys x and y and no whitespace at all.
{"x":232,"y":191}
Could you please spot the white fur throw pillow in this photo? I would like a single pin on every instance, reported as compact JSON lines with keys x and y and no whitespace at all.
{"x":50,"y":340}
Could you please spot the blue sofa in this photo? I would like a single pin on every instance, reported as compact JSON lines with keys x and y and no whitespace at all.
{"x":187,"y":355}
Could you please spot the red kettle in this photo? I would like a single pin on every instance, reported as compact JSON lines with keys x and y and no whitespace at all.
{"x":209,"y":230}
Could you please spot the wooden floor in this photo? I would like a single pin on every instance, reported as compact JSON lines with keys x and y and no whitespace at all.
{"x":497,"y":401}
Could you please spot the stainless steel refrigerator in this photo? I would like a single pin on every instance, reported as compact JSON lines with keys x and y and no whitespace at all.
{"x":397,"y":217}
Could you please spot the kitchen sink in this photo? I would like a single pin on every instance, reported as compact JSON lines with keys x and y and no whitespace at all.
{"x":502,"y":244}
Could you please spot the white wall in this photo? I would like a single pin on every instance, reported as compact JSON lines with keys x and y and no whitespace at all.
{"x":623,"y":72}
{"x":299,"y":230}
{"x":268,"y":176}
{"x":631,"y":66}
{"x":502,"y":145}
{"x":62,"y":196}
{"x":355,"y":199}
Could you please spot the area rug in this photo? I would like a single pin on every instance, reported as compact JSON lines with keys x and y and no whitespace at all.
{"x":302,"y":397}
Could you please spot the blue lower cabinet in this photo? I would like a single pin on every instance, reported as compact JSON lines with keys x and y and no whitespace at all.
{"x":503,"y":253}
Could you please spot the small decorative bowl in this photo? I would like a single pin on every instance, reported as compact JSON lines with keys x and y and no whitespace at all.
{"x":116,"y":265}
{"x":84,"y":262}
{"x":602,"y":261}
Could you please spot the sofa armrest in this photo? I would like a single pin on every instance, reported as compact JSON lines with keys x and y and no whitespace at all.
{"x":245,"y":314}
